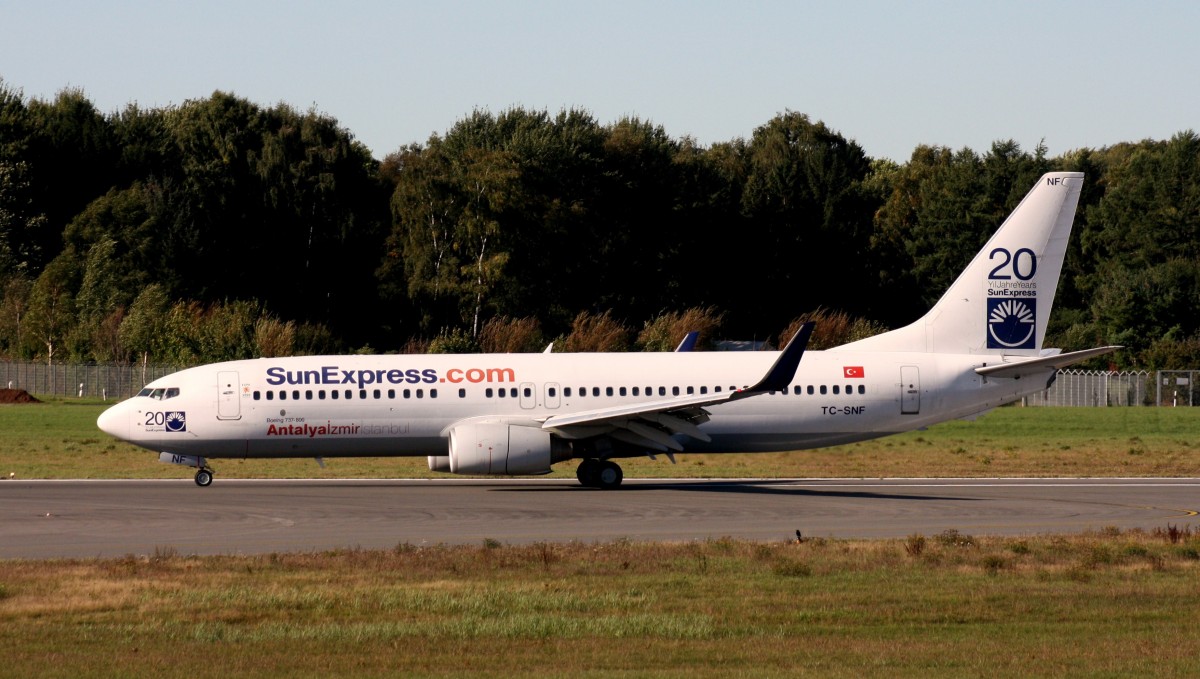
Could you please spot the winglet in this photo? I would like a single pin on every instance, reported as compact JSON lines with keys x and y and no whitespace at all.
{"x":781,"y":373}
{"x":688,"y":342}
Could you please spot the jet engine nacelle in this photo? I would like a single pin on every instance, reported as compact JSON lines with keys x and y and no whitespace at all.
{"x":499,"y":449}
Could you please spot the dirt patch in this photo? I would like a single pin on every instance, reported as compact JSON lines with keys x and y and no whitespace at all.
{"x":16,"y":396}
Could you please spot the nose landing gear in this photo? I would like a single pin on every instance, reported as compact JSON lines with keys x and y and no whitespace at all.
{"x":204,"y":473}
{"x":204,"y":477}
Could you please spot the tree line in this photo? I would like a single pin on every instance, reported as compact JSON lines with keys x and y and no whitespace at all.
{"x":220,"y":229}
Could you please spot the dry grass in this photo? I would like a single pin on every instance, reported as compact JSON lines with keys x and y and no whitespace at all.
{"x":963,"y":605}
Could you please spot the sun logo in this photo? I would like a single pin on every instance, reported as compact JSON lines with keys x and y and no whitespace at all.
{"x":1011,"y":323}
{"x":176,"y":421}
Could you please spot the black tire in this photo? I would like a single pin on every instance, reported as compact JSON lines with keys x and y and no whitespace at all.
{"x":588,"y":472}
{"x":204,"y":478}
{"x":609,"y":475}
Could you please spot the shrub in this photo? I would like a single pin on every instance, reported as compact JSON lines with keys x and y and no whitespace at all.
{"x":665,"y":331}
{"x":591,"y":332}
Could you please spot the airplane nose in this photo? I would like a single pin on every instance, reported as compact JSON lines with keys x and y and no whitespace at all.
{"x":115,"y":422}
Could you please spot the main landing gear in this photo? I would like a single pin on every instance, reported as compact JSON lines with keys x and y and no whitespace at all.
{"x":602,"y":474}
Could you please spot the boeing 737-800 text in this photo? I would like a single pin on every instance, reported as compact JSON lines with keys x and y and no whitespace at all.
{"x":516,"y":414}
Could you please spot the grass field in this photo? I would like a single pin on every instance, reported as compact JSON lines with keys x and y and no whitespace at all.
{"x":60,"y":440}
{"x":948,"y":605}
{"x":1105,"y":604}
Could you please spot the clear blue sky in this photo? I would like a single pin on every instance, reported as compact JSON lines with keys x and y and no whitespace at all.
{"x":890,"y":75}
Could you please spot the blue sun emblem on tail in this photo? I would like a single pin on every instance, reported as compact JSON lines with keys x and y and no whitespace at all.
{"x":1012,"y":323}
{"x":176,"y":421}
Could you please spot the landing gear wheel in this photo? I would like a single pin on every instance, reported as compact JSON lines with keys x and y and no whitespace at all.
{"x":204,"y":478}
{"x":609,"y":475}
{"x":588,"y":472}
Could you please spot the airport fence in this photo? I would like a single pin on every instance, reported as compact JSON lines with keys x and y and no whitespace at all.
{"x":93,"y":380}
{"x":1081,"y":388}
{"x":1097,"y":388}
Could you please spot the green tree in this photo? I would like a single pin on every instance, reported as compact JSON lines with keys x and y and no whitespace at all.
{"x":143,"y":329}
{"x":14,"y":311}
{"x":809,"y":220}
{"x":51,"y":313}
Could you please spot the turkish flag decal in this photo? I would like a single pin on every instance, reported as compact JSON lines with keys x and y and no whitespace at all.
{"x":853,"y":371}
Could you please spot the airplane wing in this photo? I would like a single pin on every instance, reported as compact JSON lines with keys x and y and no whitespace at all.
{"x":654,"y":423}
{"x":1037,"y":366}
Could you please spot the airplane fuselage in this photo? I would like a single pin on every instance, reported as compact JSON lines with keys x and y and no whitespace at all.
{"x":403,"y":405}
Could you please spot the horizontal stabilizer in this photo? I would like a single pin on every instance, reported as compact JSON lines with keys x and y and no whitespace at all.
{"x":1037,"y":366}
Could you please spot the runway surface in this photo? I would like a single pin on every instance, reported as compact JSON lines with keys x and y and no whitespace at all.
{"x":47,"y":519}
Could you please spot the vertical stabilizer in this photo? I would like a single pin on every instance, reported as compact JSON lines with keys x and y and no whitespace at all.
{"x":1001,"y":302}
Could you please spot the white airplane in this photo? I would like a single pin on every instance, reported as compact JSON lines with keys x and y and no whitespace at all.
{"x":519,"y":414}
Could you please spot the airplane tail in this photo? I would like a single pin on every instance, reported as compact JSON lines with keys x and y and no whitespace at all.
{"x":1001,"y":301}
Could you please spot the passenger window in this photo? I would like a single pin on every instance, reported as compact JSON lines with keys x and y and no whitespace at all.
{"x":691,"y":390}
{"x":674,"y":391}
{"x":862,"y":389}
{"x":334,"y":394}
{"x":270,"y":396}
{"x":377,"y":394}
{"x":257,"y":395}
{"x":486,"y":392}
{"x":835,"y":389}
{"x":321,"y":395}
{"x":810,"y":390}
{"x":823,"y":389}
{"x":608,"y":391}
{"x":308,"y":395}
{"x":567,"y":392}
{"x":528,"y":392}
{"x":362,"y":393}
{"x":595,"y":391}
{"x":662,"y":391}
{"x":349,"y":394}
{"x":462,"y":393}
{"x":408,"y":393}
{"x":636,"y":392}
{"x":420,"y":393}
{"x":551,"y":391}
{"x":282,"y":395}
{"x":433,"y":393}
{"x":392,"y":394}
{"x":703,"y":389}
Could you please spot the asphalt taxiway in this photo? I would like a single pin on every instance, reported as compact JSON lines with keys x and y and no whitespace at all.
{"x":80,"y":519}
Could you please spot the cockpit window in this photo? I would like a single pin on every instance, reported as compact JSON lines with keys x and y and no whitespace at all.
{"x":172,"y":392}
{"x":145,"y":392}
{"x":160,"y":394}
